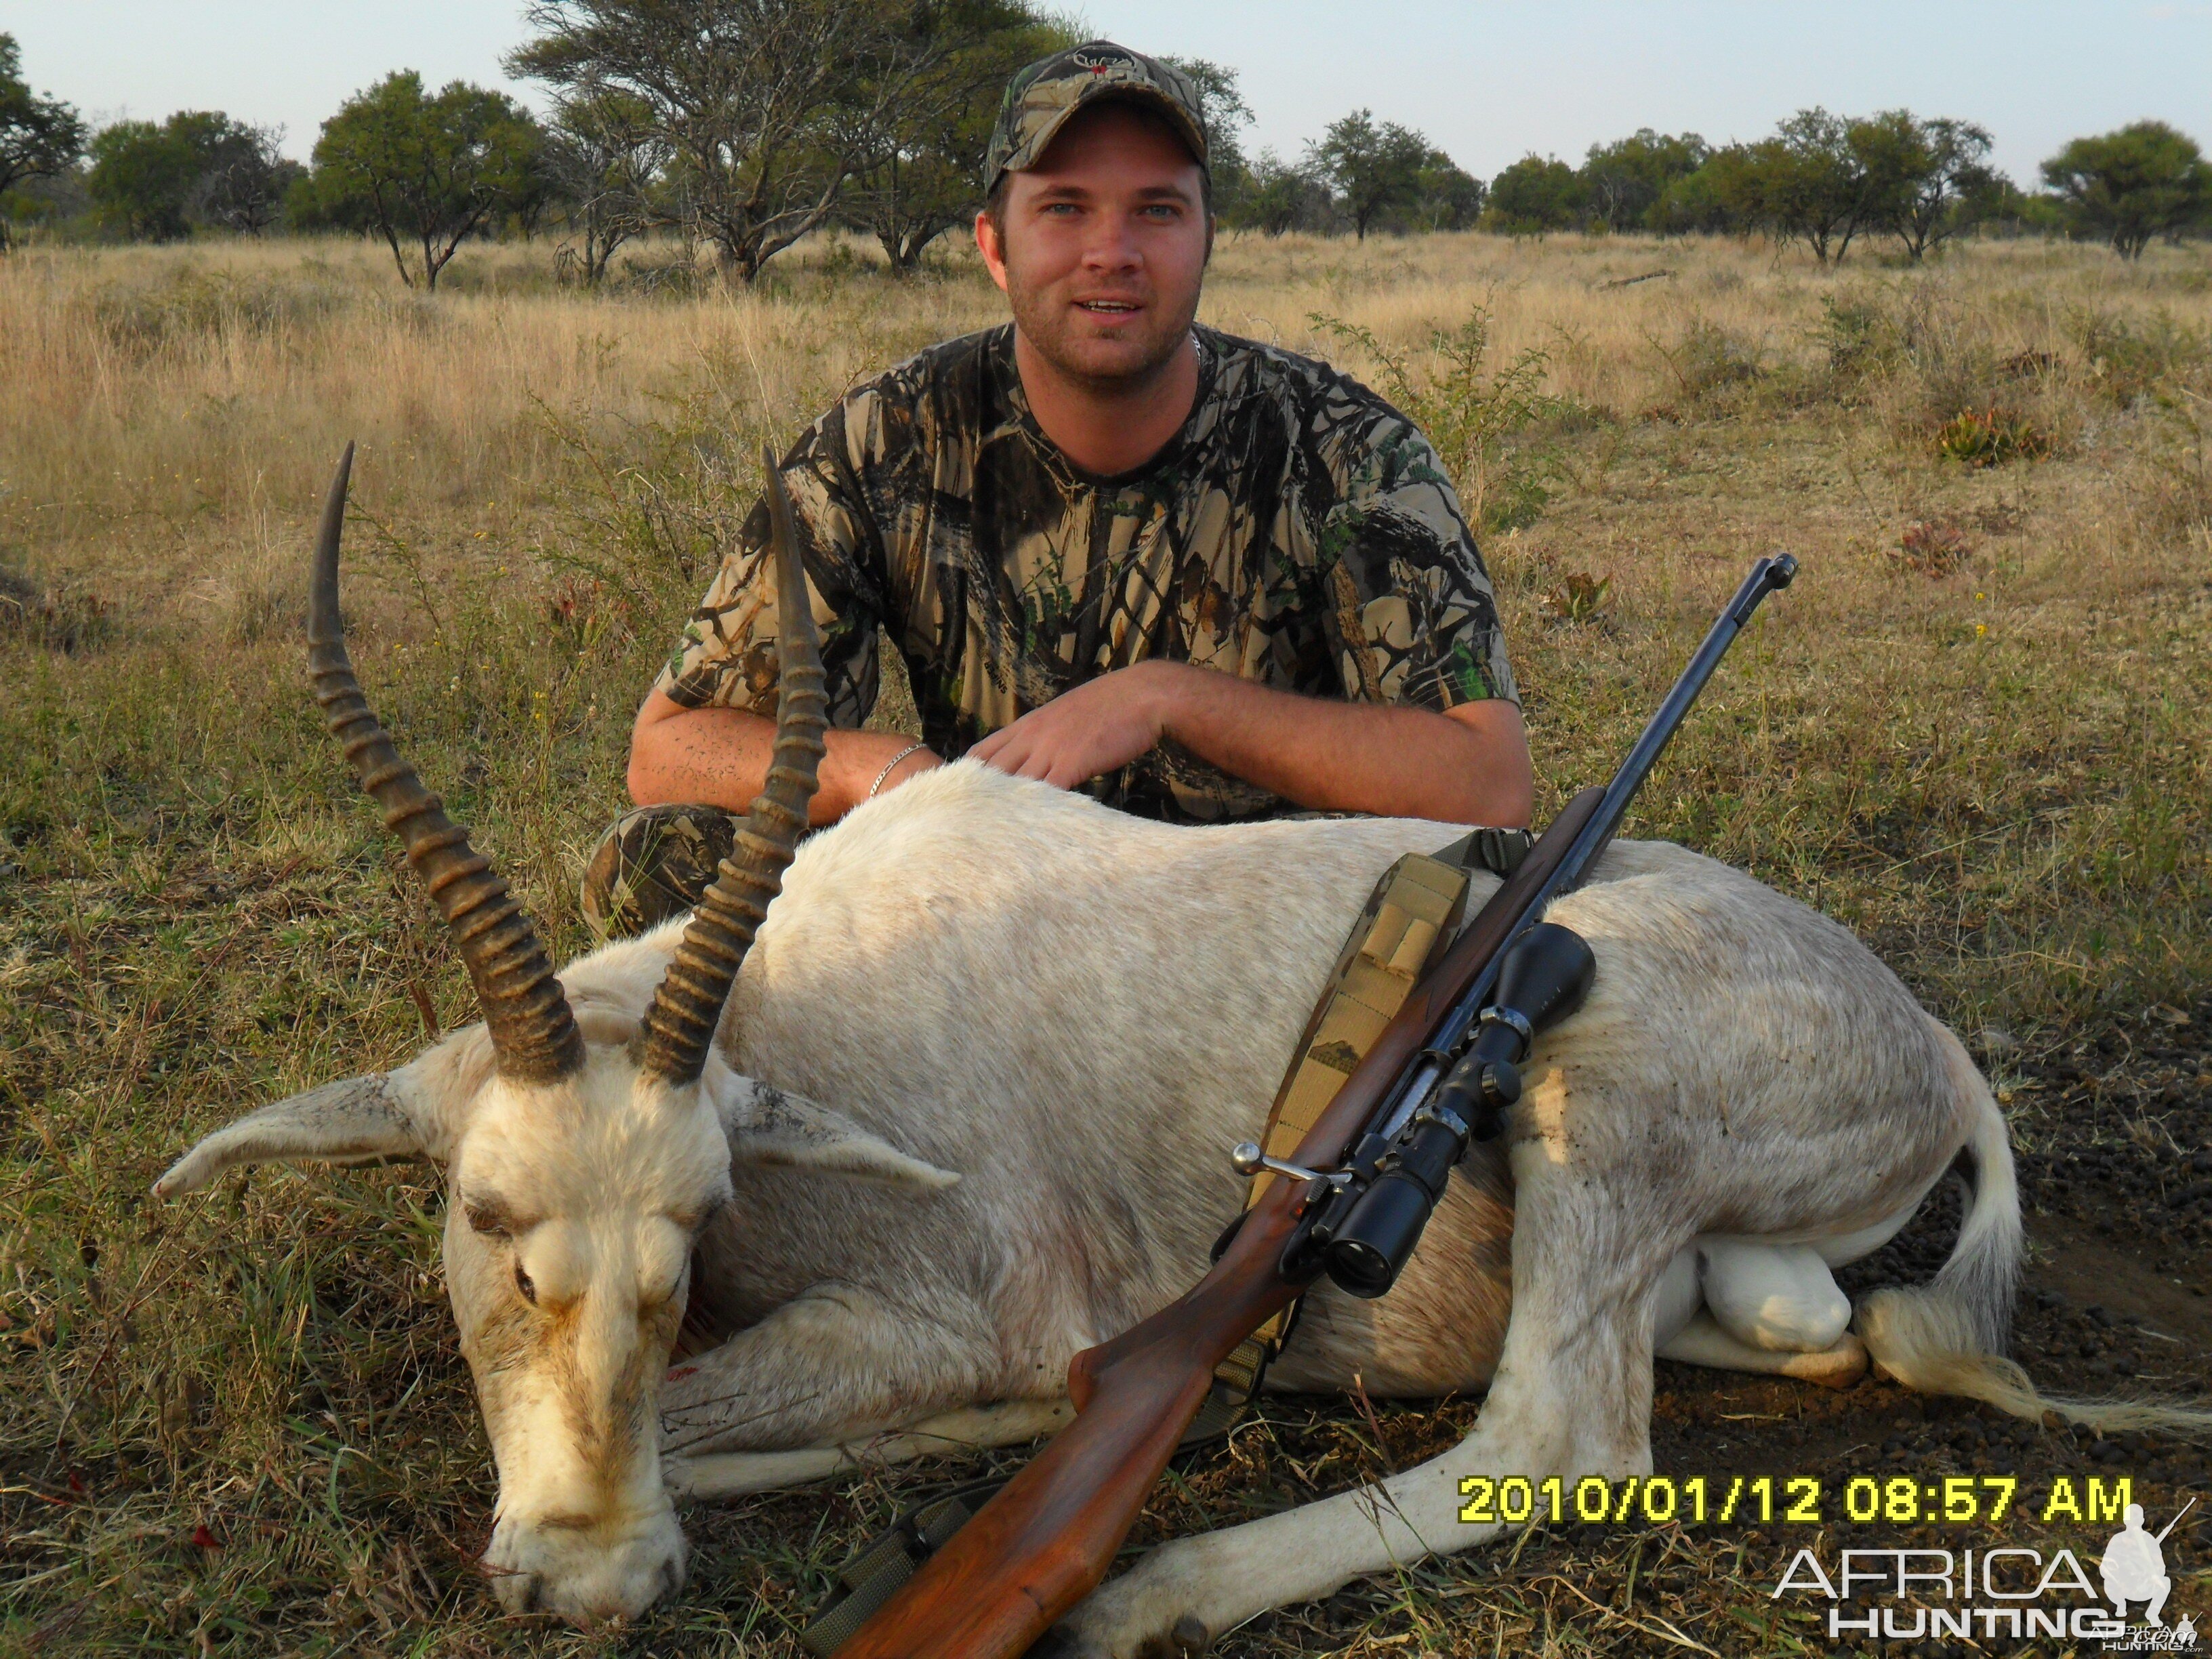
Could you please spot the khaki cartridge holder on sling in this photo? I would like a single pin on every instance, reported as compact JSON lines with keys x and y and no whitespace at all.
{"x":1417,"y":905}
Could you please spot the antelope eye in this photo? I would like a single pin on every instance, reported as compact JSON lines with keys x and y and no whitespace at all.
{"x":523,"y":1283}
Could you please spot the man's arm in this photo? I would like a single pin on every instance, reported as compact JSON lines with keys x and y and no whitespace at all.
{"x":1467,"y":765}
{"x":720,"y":756}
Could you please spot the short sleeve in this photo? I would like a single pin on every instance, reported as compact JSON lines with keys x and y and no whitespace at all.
{"x":726,"y":657}
{"x":1413,"y":618}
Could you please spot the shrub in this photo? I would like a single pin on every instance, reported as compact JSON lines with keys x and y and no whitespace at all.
{"x":1857,"y":337}
{"x":1990,"y":437}
{"x":1467,"y":414}
{"x":2175,"y":499}
{"x":1708,"y":361}
{"x":1933,"y":546}
{"x":1576,"y":599}
{"x":2131,"y":360}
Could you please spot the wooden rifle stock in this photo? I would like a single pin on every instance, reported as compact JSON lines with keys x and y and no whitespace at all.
{"x":1048,"y":1537}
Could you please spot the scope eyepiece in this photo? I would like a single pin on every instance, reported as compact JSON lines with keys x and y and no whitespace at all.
{"x":1542,"y":977}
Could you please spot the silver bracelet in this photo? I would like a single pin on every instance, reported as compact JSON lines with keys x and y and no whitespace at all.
{"x":911,"y":748}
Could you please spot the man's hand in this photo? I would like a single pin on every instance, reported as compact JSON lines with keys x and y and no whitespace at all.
{"x":1091,"y":728}
{"x":1468,"y":765}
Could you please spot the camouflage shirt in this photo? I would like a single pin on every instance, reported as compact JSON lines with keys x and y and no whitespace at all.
{"x":1297,"y":532}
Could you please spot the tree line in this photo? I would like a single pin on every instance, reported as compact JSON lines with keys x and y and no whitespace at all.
{"x":1826,"y":180}
{"x":743,"y":125}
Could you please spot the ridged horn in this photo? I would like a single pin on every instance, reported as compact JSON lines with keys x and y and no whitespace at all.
{"x":679,"y":1028}
{"x":532,"y":1031}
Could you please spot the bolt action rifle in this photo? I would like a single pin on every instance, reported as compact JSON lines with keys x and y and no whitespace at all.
{"x":1359,"y":1191}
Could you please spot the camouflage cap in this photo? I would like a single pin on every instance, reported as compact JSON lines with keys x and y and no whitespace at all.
{"x":1040,"y":99}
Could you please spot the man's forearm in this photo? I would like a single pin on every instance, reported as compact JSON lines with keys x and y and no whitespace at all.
{"x":720,"y":757}
{"x":1470,"y":766}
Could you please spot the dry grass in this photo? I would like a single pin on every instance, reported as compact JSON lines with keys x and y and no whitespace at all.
{"x":1985,"y":749}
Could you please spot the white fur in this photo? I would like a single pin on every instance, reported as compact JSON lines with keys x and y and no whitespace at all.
{"x":1033,"y":1028}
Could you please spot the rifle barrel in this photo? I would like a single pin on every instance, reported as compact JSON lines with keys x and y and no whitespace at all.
{"x":1767,"y":575}
{"x":2176,"y":1522}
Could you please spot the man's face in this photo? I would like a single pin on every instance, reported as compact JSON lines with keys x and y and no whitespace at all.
{"x":1102,"y":246}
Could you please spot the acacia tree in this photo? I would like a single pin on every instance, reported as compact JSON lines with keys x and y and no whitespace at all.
{"x":918,"y":162}
{"x":1806,"y":182}
{"x":2147,"y":179}
{"x":1221,"y":106}
{"x":142,"y":177}
{"x":39,"y":137}
{"x":1446,"y":197}
{"x":1719,"y":196}
{"x":428,"y":171}
{"x":1536,"y":194}
{"x":603,"y":161}
{"x":243,"y":175}
{"x":1372,"y":166}
{"x":1922,"y":177}
{"x":766,"y":105}
{"x":1623,"y":182}
{"x":1278,"y":196}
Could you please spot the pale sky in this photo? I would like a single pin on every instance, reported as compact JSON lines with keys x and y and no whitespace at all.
{"x":1486,"y":80}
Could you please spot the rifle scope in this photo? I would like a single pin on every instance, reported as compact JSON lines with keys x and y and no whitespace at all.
{"x":1542,"y":977}
{"x":1363,"y":1232}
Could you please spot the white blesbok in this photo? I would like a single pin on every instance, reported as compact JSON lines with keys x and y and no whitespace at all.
{"x":1035,"y":1026}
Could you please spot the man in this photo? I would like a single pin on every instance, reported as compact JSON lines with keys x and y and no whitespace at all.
{"x":1202,"y":579}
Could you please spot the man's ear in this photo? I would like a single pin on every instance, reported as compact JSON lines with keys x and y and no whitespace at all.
{"x":991,"y":243}
{"x":768,"y":1126}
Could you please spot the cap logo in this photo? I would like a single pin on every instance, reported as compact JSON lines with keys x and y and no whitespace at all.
{"x":1099,"y":62}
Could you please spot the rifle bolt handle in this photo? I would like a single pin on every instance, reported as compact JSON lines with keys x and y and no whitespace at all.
{"x":1248,"y":1160}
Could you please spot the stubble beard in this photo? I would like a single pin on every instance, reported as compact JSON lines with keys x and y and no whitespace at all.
{"x":1051,"y":330}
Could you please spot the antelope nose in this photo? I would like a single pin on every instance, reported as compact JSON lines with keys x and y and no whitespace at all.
{"x":520,"y":1592}
{"x":618,"y":1603}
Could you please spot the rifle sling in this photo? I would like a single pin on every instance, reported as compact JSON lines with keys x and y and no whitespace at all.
{"x":1415,"y":909}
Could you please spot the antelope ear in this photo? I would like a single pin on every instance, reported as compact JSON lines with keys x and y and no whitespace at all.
{"x":348,"y":1121}
{"x":767,"y":1126}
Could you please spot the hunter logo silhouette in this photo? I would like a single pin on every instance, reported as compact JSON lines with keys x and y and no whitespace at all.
{"x":2134,"y":1567}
